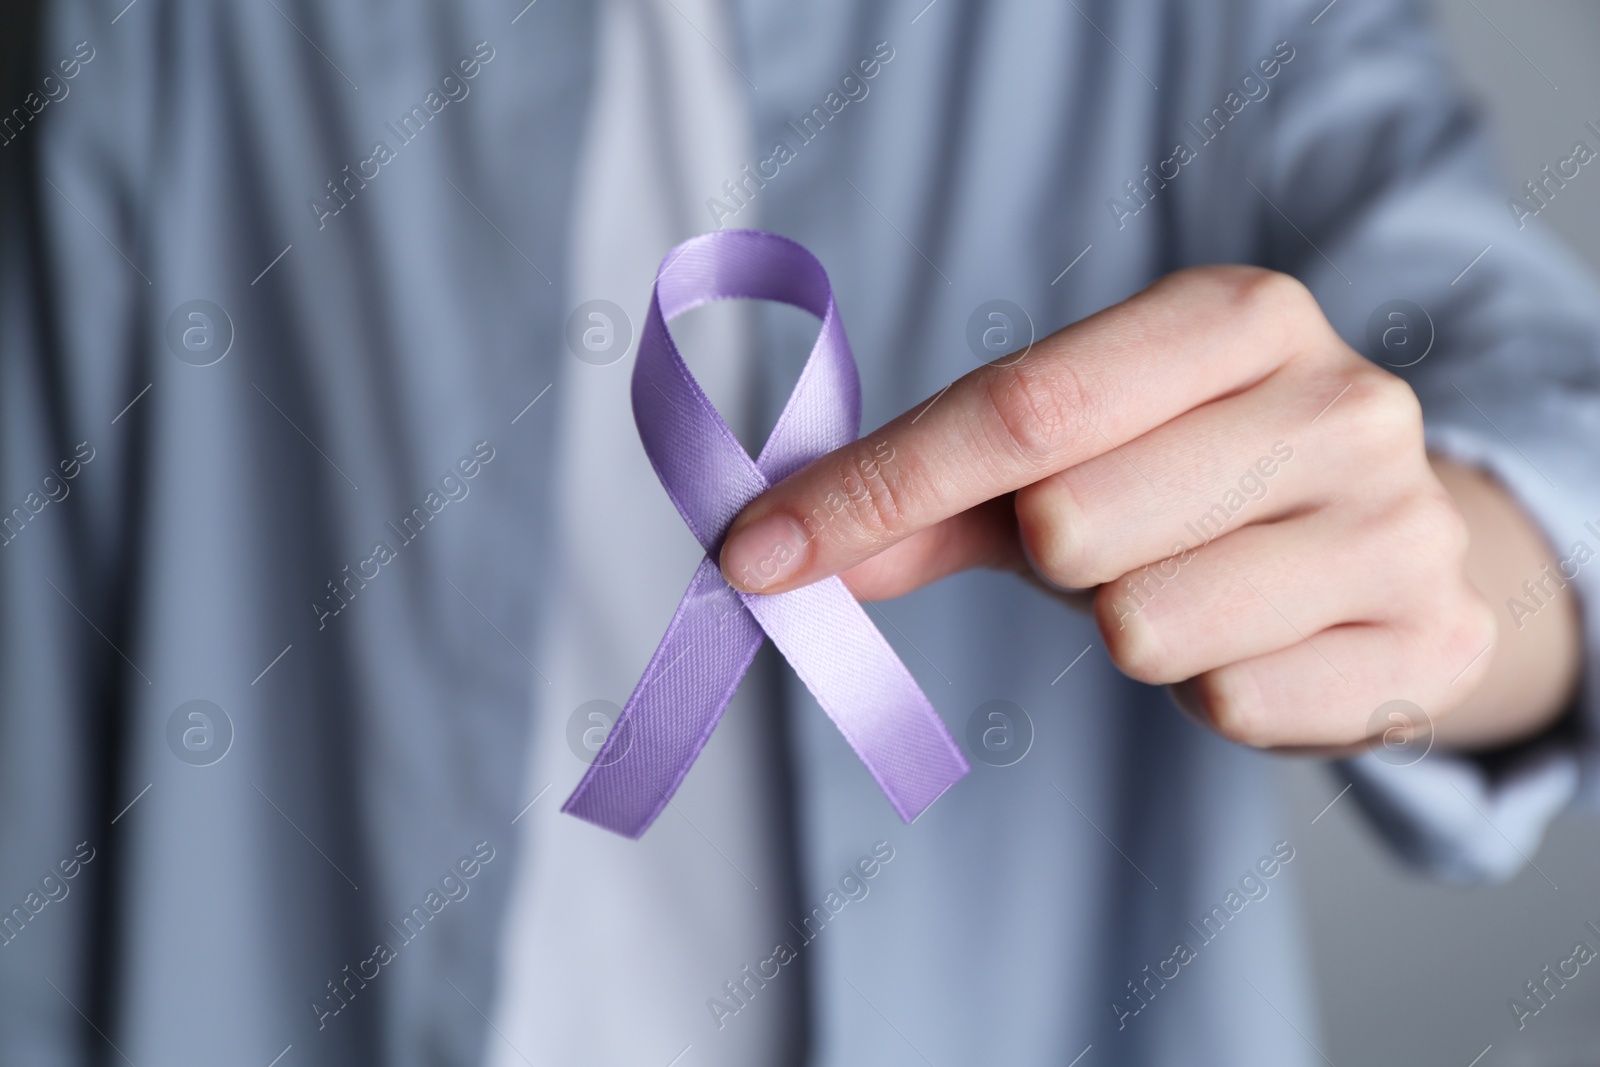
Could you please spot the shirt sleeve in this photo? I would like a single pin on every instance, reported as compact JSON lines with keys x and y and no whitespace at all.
{"x":1379,"y":188}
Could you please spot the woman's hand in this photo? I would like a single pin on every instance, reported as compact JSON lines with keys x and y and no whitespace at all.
{"x":1247,"y":497}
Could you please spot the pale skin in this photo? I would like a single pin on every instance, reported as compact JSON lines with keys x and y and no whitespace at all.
{"x":1352,"y":572}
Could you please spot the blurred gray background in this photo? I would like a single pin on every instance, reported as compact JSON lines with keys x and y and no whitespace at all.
{"x":1411,"y":973}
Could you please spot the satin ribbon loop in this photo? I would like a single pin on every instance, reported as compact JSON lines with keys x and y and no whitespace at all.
{"x":715,"y":633}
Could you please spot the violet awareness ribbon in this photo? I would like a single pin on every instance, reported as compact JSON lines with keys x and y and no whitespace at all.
{"x":717,"y":630}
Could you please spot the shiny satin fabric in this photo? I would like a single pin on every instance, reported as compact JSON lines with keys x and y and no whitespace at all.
{"x":826,"y":636}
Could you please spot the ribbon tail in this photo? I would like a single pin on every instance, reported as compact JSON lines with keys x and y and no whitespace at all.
{"x":686,"y":687}
{"x":865,"y":689}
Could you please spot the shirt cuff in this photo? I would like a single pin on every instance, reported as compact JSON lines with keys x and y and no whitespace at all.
{"x":1454,"y":819}
{"x":1469,"y":819}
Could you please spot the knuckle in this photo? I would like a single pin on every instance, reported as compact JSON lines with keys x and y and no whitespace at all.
{"x":1225,"y":697}
{"x":1052,"y":527}
{"x":1133,"y":637}
{"x":1386,"y":412}
{"x":1273,"y":292}
{"x":1269,"y":296}
{"x":1037,"y":407}
{"x":1274,"y":310}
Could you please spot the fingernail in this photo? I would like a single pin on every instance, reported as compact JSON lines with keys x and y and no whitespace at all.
{"x":765,"y":552}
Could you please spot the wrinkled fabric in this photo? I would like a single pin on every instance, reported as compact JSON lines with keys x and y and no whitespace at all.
{"x":221,"y":543}
{"x":651,"y":924}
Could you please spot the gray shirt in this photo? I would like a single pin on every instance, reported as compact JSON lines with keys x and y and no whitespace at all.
{"x":388,"y":326}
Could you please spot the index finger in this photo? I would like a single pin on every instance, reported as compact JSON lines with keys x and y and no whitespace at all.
{"x":1085,"y":390}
